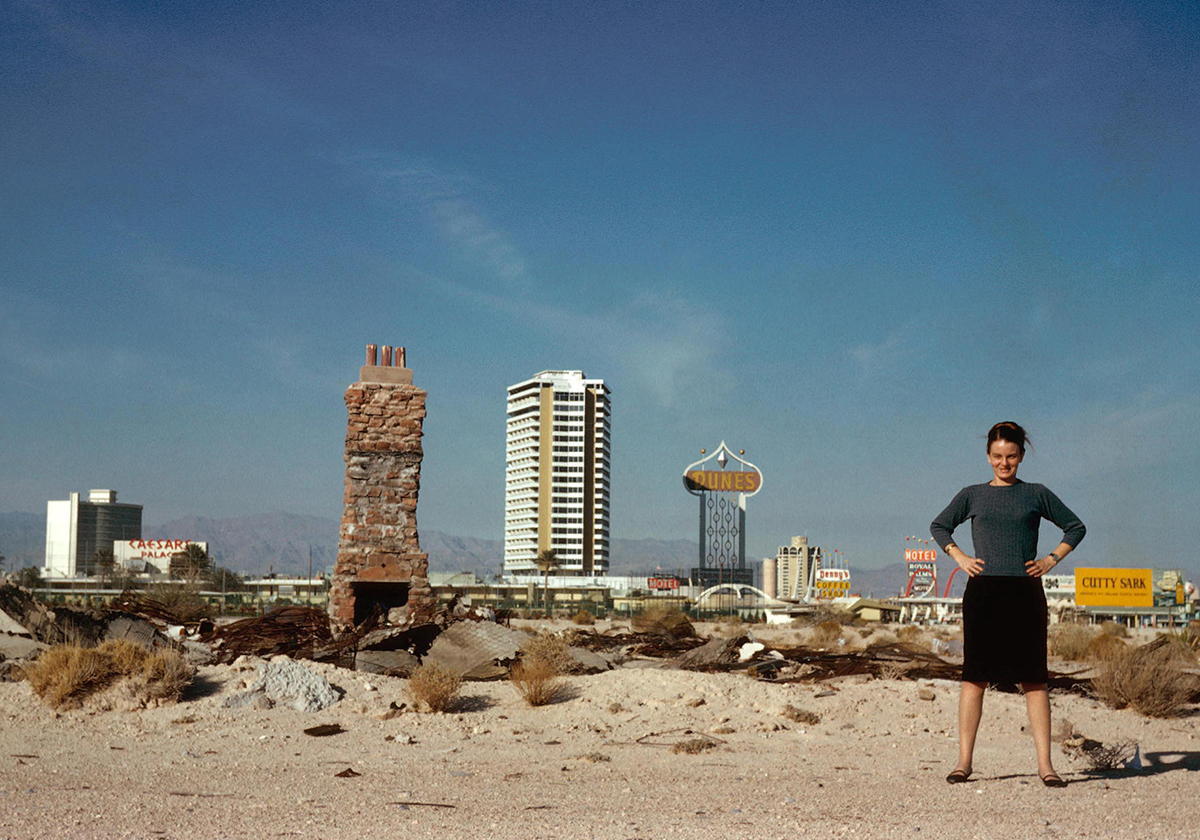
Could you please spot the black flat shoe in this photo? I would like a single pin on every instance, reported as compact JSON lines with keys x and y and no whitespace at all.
{"x":1053,"y":780}
{"x":957,"y":777}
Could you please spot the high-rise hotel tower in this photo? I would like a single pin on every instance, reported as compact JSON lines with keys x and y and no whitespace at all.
{"x":556,"y":481}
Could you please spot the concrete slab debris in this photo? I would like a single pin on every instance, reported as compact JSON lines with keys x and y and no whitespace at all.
{"x":466,"y":646}
{"x":288,"y":683}
{"x":588,"y":661}
{"x":134,"y":629}
{"x":19,"y":647}
{"x":9,"y":626}
{"x":747,"y":651}
{"x":396,"y":663}
{"x":713,"y":653}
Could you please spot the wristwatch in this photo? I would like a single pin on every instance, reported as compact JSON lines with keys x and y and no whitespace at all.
{"x":1054,"y":557}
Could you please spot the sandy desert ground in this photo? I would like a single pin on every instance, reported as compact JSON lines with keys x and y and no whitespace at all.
{"x":598,"y":764}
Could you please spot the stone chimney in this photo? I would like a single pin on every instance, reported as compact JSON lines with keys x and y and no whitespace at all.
{"x":379,"y":563}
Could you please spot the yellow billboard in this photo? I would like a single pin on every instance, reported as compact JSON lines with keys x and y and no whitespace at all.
{"x":1114,"y":587}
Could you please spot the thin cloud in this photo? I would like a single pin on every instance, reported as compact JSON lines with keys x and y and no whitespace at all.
{"x":466,"y":228}
{"x":660,"y":342}
{"x":873,"y":357}
{"x":30,"y":359}
{"x":666,"y":345}
{"x":449,"y":204}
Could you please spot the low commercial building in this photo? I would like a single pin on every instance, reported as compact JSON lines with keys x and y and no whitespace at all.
{"x":529,"y":594}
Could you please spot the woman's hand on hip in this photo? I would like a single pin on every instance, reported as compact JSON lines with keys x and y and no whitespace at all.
{"x":971,"y":565}
{"x":1040,"y":566}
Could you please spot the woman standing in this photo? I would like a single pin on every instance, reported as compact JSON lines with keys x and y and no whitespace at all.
{"x":1004,"y":606}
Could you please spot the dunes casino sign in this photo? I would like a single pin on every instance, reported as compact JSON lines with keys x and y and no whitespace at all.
{"x":722,"y":471}
{"x":728,"y":481}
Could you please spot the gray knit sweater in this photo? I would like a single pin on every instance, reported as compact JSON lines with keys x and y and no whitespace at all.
{"x":1004,"y":523}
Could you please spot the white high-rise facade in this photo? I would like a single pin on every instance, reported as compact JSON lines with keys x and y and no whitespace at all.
{"x":76,"y":529}
{"x":557,"y":476}
{"x":796,"y":566}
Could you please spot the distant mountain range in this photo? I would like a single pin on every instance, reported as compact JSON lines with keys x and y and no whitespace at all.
{"x":281,"y":542}
{"x":22,"y":539}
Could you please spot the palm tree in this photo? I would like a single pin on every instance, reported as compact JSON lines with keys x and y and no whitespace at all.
{"x":190,"y":563}
{"x":103,"y":564}
{"x":546,"y":561}
{"x":29,"y":577}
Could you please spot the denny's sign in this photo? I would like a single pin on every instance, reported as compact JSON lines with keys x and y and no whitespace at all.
{"x":1114,"y":587}
{"x":734,"y":481}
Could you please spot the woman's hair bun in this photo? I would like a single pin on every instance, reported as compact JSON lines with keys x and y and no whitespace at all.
{"x":1009,"y":431}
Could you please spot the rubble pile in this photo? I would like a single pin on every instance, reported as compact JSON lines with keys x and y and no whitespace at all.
{"x":299,"y":632}
{"x":470,"y":644}
{"x":63,"y":624}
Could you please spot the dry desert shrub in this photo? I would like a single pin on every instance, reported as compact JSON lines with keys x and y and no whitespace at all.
{"x":883,"y":637}
{"x":1104,"y":647}
{"x":1152,"y":679}
{"x":165,"y":674}
{"x":181,"y":600}
{"x":1100,"y":757}
{"x":693,"y":746}
{"x":798,"y":715}
{"x":825,"y":634}
{"x":893,"y":670}
{"x":583,"y":618}
{"x":551,"y":649}
{"x":66,"y":675}
{"x":913,"y":636}
{"x":664,"y":621}
{"x":536,"y":680}
{"x":829,"y":612}
{"x":1071,"y":641}
{"x":125,"y":657}
{"x":1187,"y":639}
{"x":434,"y":687}
{"x":1114,"y":628}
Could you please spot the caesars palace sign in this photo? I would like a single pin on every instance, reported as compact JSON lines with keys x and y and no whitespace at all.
{"x":155,"y":552}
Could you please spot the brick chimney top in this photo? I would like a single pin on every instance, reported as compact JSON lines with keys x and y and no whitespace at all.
{"x":385,"y":365}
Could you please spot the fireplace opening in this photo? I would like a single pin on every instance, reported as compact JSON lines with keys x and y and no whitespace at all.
{"x":370,"y":596}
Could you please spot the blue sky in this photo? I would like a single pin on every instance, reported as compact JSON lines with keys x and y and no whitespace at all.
{"x":847,"y":237}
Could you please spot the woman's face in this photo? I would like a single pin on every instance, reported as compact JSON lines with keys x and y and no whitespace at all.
{"x":1004,"y":456}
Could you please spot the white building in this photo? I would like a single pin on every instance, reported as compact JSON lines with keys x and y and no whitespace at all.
{"x":150,"y":556}
{"x":75,"y":529}
{"x":795,"y":569}
{"x":557,"y":475}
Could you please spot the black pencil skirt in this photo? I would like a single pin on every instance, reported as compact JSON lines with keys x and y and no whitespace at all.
{"x":1004,"y":630}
